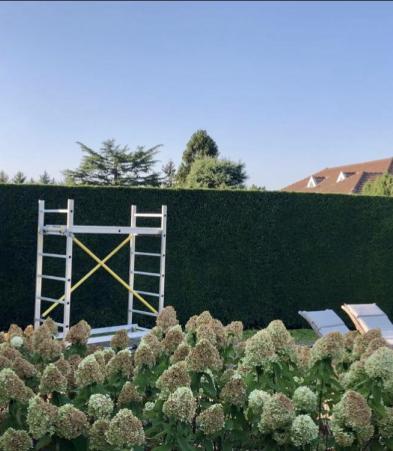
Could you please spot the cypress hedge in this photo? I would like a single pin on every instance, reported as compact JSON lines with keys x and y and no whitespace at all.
{"x":243,"y":255}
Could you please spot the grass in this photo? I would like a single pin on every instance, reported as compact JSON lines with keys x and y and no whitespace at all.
{"x":301,"y":336}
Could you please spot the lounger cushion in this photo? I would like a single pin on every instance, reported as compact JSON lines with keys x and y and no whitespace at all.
{"x":324,"y":321}
{"x":370,"y":316}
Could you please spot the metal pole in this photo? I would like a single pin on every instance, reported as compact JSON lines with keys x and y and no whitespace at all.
{"x":162,"y":257}
{"x":40,"y":250}
{"x":132,"y":267}
{"x":68,"y":269}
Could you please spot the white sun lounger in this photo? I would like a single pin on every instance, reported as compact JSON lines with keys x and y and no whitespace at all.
{"x":369,"y":316}
{"x":324,"y":321}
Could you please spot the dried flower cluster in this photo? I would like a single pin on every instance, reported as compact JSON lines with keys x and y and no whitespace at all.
{"x":197,"y":387}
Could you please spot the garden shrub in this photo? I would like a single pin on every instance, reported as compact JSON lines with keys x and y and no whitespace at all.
{"x":243,"y":255}
{"x":201,"y":387}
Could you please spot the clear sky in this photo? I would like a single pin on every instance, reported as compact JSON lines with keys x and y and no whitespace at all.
{"x":286,"y":87}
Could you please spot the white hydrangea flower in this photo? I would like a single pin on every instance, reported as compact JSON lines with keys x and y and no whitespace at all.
{"x":16,"y":341}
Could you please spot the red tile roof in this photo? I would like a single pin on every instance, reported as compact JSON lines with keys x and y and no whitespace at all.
{"x":356,"y":177}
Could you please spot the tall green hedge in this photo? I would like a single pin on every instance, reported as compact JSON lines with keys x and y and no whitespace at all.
{"x":244,"y":255}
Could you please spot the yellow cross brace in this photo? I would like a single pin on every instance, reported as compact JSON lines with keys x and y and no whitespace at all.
{"x":101,"y":263}
{"x":114,"y":275}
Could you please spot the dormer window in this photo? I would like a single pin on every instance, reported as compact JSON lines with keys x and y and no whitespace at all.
{"x":343,"y":175}
{"x":313,"y":181}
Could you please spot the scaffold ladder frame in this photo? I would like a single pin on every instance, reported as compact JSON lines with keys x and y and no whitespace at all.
{"x":69,"y":230}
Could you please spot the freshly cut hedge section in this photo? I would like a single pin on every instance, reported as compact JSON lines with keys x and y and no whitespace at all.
{"x":243,"y":255}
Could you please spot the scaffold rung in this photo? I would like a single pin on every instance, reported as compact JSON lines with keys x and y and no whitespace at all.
{"x":142,"y":312}
{"x":58,"y":210}
{"x":148,"y":254}
{"x":46,"y":254}
{"x":148,"y":293}
{"x":148,"y":215}
{"x":46,"y":299}
{"x":143,"y":273}
{"x":45,"y":276}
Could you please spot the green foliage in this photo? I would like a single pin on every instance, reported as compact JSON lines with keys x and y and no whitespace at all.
{"x":227,"y":392}
{"x":200,"y":145}
{"x":115,"y":165}
{"x":3,"y":177}
{"x":169,"y":171}
{"x":19,"y":178}
{"x":46,"y":179}
{"x":209,"y":172}
{"x":381,"y":186}
{"x":252,"y":256}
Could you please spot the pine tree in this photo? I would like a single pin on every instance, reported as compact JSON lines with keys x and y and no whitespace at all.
{"x":115,"y":165}
{"x":169,"y":171}
{"x":200,"y":145}
{"x":19,"y":178}
{"x":46,"y":179}
{"x":4,"y":177}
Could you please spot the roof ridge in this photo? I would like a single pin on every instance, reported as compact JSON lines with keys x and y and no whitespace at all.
{"x":362,"y":162}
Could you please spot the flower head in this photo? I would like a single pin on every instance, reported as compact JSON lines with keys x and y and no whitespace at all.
{"x":279,"y":334}
{"x":303,"y":431}
{"x":42,"y":343}
{"x":13,"y":388}
{"x":172,"y":339}
{"x":330,"y":346}
{"x":233,"y":332}
{"x":4,"y":362}
{"x":70,"y":422}
{"x":211,"y":420}
{"x":167,"y":318}
{"x":144,"y":356}
{"x":380,"y":364}
{"x":128,"y":394}
{"x":41,"y":417}
{"x":352,"y":411}
{"x":14,"y":331}
{"x":259,"y":351}
{"x":204,"y":356}
{"x":23,"y":368}
{"x":181,"y":352}
{"x":15,"y":440}
{"x":121,"y":364}
{"x":97,"y":435}
{"x":305,"y":400}
{"x":234,"y":392}
{"x":256,"y":401}
{"x":125,"y":430}
{"x":89,"y":372}
{"x":16,"y":341}
{"x":173,"y":377}
{"x":79,"y":333}
{"x":120,"y":340}
{"x":385,"y":423}
{"x":278,"y":413}
{"x":180,"y":405}
{"x":52,"y":380}
{"x":100,"y":406}
{"x":6,"y":350}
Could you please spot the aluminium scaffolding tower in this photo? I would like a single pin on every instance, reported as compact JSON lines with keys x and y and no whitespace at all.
{"x":69,"y":231}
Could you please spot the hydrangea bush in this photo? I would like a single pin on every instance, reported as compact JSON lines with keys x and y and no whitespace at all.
{"x":201,"y":387}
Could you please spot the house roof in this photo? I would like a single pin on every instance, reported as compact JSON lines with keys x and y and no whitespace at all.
{"x":353,"y":178}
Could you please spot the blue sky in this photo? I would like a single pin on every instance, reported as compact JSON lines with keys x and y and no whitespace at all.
{"x":286,"y":87}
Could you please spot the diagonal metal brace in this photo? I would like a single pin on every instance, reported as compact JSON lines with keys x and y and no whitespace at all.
{"x":90,"y":273}
{"x":114,"y":275}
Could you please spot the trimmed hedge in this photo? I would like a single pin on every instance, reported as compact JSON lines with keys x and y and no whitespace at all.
{"x":245,"y":255}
